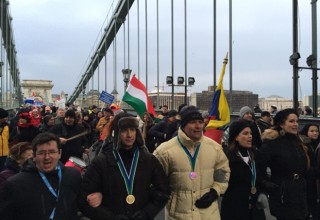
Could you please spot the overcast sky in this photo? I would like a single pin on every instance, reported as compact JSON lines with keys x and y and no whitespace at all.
{"x":54,"y":39}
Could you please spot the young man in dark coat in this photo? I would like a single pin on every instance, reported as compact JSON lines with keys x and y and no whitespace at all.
{"x":44,"y":189}
{"x":131,"y":181}
{"x":67,"y":129}
{"x":160,"y":131}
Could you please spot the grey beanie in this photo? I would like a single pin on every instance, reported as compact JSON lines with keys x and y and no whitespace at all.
{"x":244,"y":110}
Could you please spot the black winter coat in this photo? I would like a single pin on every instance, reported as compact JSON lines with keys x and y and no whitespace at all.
{"x":238,"y":202}
{"x":20,"y":134}
{"x":288,"y":164}
{"x":26,"y":197}
{"x":160,"y":130}
{"x":75,"y":147}
{"x":103,"y":175}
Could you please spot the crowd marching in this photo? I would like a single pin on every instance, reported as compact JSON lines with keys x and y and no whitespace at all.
{"x":69,"y":163}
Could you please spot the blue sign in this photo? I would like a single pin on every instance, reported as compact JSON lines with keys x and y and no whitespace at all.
{"x":106,"y":97}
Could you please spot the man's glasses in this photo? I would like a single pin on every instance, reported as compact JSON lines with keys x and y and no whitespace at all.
{"x":49,"y":153}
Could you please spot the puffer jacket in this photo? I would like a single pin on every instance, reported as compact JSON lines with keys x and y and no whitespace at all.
{"x":288,"y":164}
{"x":212,"y":170}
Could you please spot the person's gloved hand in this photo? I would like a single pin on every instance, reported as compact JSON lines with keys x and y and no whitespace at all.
{"x":207,"y":199}
{"x":121,"y":217}
{"x":139,"y":215}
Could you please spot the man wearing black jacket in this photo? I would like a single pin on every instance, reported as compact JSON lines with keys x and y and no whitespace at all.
{"x":44,"y":189}
{"x":123,"y":174}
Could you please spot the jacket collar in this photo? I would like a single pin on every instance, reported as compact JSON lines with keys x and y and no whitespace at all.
{"x":186,"y":141}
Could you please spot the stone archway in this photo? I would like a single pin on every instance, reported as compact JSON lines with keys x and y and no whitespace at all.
{"x":39,"y":89}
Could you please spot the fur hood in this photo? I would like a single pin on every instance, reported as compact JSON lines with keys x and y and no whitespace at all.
{"x":305,"y":139}
{"x":269,"y":134}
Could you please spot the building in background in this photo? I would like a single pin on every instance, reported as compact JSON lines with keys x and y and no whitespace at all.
{"x":276,"y":100}
{"x":307,"y":101}
{"x":39,"y":89}
{"x":204,"y":99}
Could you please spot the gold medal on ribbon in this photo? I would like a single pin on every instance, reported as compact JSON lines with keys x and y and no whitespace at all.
{"x":253,"y":190}
{"x":130,"y":199}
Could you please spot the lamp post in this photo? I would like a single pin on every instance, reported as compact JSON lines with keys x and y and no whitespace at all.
{"x":126,"y":78}
{"x":181,"y":82}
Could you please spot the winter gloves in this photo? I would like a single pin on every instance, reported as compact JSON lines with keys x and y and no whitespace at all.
{"x":207,"y":199}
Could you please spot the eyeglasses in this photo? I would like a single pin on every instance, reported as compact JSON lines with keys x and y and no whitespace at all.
{"x":49,"y":153}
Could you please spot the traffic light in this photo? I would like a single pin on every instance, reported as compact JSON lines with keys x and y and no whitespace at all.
{"x":191,"y":81}
{"x":180,"y":80}
{"x":169,"y":80}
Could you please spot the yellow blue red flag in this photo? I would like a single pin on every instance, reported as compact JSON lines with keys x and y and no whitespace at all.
{"x":219,"y":113}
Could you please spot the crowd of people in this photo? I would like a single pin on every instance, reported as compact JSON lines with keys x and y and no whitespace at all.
{"x":141,"y":165}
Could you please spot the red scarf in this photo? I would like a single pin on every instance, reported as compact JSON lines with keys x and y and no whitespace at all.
{"x":28,"y":124}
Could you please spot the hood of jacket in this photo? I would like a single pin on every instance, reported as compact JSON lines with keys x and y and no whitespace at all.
{"x":269,"y":134}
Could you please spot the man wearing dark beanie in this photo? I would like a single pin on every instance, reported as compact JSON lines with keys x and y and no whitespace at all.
{"x":4,"y":135}
{"x":197,"y":168}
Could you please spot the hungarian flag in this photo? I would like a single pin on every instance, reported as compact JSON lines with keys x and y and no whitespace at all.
{"x":137,"y":97}
{"x":219,"y":113}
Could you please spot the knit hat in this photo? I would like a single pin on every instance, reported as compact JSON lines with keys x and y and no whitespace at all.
{"x":235,"y":129}
{"x":47,"y":118}
{"x":25,"y":115}
{"x":172,"y":113}
{"x":3,"y":113}
{"x":205,"y":114}
{"x":189,"y":113}
{"x":70,"y":113}
{"x":282,"y":115}
{"x":244,"y":110}
{"x":86,"y":113}
{"x":265,"y":113}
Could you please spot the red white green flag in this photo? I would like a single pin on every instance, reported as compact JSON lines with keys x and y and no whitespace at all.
{"x":137,"y":97}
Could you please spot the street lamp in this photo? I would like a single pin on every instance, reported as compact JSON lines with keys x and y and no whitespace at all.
{"x":181,"y":82}
{"x":126,"y":77}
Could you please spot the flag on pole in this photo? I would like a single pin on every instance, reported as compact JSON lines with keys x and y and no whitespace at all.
{"x":137,"y":97}
{"x":219,"y":113}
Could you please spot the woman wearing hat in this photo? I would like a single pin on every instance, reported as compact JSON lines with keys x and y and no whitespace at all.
{"x":24,"y":131}
{"x":286,"y":155}
{"x":240,"y":200}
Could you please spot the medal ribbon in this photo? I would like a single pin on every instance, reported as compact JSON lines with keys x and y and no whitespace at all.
{"x":128,"y":179}
{"x":253,"y":171}
{"x":191,"y":158}
{"x":48,"y":185}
